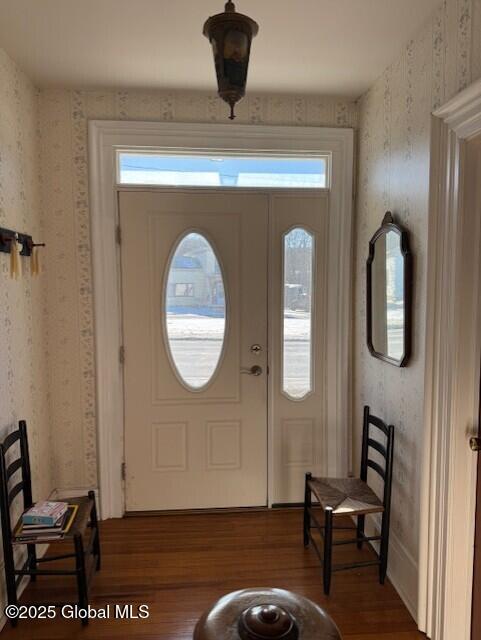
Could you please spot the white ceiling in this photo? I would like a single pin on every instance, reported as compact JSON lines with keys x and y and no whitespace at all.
{"x":336,"y":47}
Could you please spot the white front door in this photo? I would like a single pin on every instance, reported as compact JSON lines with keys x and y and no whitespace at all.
{"x":209,"y":278}
{"x":194,"y":289}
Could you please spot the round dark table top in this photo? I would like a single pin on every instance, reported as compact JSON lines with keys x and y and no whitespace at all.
{"x":265,"y":614}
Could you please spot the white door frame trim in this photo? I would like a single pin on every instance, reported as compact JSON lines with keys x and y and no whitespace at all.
{"x":105,"y":137}
{"x":453,"y":348}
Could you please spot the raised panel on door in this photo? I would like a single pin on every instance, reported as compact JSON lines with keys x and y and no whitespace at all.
{"x":194,"y":439}
{"x":298,"y":280}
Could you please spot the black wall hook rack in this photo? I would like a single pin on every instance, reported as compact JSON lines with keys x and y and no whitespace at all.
{"x":7,"y":237}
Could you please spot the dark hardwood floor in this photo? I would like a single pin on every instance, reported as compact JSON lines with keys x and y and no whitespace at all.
{"x":179,"y":565}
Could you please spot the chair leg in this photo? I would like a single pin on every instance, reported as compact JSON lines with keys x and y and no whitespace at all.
{"x":32,"y":560}
{"x":327,"y":564}
{"x":10,"y":576}
{"x":307,"y":506}
{"x":81,"y":575}
{"x":95,"y":523}
{"x":12,"y":595}
{"x":383,"y":554}
{"x":360,"y":530}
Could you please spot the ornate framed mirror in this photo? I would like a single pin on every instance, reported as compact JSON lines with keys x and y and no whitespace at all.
{"x":389,"y":293}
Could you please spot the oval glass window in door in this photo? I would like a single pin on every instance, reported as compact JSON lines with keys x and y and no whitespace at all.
{"x":195,"y":311}
{"x":297,"y":313}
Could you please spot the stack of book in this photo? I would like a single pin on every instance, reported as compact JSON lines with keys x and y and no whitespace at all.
{"x":45,"y":520}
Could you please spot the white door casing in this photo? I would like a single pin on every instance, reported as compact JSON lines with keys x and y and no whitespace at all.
{"x":453,"y":349}
{"x":105,"y":138}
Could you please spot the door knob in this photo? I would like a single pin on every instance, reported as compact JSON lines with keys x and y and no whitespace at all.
{"x":475,"y":443}
{"x":252,"y":371}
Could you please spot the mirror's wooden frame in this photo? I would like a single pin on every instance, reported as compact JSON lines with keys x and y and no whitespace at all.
{"x":388,"y":224}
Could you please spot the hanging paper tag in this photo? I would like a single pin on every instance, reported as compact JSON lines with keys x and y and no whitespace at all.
{"x":19,"y":248}
{"x":13,"y":259}
{"x":35,"y":265}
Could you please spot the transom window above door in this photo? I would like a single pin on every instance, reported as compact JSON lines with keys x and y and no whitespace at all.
{"x":223,"y":170}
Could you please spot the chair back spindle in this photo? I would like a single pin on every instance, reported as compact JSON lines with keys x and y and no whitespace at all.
{"x":369,"y":442}
{"x":10,"y":489}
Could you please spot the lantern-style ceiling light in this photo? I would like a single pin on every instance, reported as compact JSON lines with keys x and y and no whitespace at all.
{"x":230,"y":34}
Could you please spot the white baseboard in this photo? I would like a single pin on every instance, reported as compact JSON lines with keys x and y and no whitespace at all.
{"x":403,"y":573}
{"x":402,"y":568}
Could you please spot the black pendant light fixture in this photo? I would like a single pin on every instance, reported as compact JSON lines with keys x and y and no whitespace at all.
{"x":230,"y":34}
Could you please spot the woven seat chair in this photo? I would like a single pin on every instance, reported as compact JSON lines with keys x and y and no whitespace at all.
{"x":82,"y":537}
{"x":353,"y":497}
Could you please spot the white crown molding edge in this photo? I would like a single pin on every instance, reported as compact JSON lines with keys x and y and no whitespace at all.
{"x":451,"y":382}
{"x":461,"y":113}
{"x":107,"y":136}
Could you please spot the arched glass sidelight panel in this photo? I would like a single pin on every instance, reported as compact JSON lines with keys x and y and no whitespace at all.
{"x":297,"y":313}
{"x":195,"y":309}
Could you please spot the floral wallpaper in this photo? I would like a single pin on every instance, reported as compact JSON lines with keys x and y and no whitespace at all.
{"x":394,"y":139}
{"x":63,"y":125}
{"x":23,"y":331}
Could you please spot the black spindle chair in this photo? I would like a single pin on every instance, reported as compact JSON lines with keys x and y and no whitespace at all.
{"x":353,"y":497}
{"x":86,"y":547}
